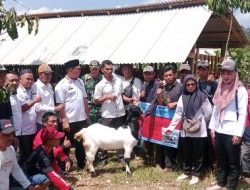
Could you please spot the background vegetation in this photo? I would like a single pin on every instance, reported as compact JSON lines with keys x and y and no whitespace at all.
{"x":242,"y":57}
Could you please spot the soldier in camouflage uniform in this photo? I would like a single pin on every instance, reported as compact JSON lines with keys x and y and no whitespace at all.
{"x":90,"y":80}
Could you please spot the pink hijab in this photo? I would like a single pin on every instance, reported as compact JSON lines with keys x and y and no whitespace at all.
{"x":224,"y":94}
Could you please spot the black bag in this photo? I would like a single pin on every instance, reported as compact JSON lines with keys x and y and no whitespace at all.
{"x":128,"y":91}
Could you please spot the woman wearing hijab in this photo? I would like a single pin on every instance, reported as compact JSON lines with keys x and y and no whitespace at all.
{"x":227,"y":125}
{"x":193,"y":105}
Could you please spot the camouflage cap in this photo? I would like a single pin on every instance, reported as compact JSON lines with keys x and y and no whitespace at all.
{"x":94,"y":64}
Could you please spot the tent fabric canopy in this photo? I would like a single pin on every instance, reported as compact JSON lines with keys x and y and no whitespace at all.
{"x":146,"y":37}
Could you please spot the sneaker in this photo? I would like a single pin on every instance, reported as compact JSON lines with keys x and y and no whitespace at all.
{"x":182,"y":177}
{"x":194,"y":180}
{"x":214,"y":187}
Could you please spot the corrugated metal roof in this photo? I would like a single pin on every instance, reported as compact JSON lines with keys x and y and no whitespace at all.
{"x":147,"y":37}
{"x":147,"y":7}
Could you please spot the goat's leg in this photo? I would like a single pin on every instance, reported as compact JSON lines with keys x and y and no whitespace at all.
{"x":127,"y":154}
{"x":90,"y":154}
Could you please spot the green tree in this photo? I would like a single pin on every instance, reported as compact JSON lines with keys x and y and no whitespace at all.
{"x":240,"y":55}
{"x":247,"y":32}
{"x":9,"y":22}
{"x":219,"y":6}
{"x":242,"y":58}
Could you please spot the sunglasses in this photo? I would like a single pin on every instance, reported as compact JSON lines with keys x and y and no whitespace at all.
{"x":190,"y":84}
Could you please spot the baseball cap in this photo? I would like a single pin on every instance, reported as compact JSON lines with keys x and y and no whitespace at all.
{"x":2,"y":68}
{"x":24,"y":71}
{"x":185,"y":66}
{"x":148,"y":69}
{"x":203,"y":64}
{"x":50,"y":133}
{"x":94,"y":64}
{"x":6,"y":126}
{"x":228,"y":64}
{"x":44,"y":68}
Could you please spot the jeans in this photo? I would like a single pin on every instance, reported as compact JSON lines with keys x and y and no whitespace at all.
{"x":38,"y":179}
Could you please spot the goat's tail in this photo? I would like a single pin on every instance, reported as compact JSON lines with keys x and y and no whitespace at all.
{"x":79,"y":136}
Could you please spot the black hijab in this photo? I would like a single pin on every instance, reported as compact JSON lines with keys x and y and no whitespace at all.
{"x":192,"y":101}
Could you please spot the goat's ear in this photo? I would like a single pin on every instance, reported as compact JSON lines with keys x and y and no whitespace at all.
{"x":78,"y":136}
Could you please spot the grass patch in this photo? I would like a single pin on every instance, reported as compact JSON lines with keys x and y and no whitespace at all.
{"x":113,"y":176}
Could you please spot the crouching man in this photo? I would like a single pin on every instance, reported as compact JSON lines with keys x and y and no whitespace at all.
{"x":42,"y":166}
{"x":8,"y":161}
{"x":49,"y":119}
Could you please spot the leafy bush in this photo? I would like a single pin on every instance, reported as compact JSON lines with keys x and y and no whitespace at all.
{"x":242,"y":57}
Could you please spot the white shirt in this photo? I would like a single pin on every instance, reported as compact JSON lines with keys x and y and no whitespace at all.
{"x":71,"y":93}
{"x":28,"y":126}
{"x":110,"y":109}
{"x":17,"y":114}
{"x":204,"y":113}
{"x":47,"y":103}
{"x":8,"y":164}
{"x":136,"y":86}
{"x":230,"y":125}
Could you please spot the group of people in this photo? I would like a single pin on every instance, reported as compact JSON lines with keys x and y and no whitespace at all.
{"x":38,"y":122}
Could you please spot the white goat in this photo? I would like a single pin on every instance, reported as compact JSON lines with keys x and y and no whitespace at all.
{"x":98,"y":136}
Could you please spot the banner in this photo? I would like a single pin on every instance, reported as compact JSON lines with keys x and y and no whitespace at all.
{"x":154,"y":127}
{"x":160,"y":111}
